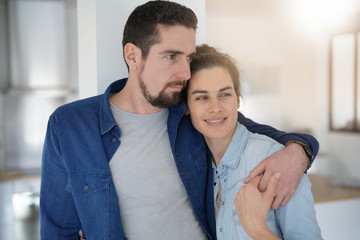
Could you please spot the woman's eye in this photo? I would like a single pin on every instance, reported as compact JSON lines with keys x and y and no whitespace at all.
{"x":201,"y":98}
{"x":225,"y":95}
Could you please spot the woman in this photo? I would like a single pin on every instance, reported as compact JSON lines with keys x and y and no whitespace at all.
{"x":213,"y":97}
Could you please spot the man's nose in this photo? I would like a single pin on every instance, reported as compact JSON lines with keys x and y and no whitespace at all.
{"x":184,"y":70}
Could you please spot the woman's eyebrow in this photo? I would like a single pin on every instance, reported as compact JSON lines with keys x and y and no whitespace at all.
{"x":225,"y":88}
{"x":198,"y":91}
{"x":204,"y":91}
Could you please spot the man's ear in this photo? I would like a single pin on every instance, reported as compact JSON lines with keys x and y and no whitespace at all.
{"x":132,"y":55}
{"x":187,"y":112}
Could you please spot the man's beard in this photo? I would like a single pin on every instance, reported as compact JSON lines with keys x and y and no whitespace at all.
{"x":163,"y":100}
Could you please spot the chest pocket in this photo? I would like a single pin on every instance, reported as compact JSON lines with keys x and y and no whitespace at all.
{"x":87,"y":184}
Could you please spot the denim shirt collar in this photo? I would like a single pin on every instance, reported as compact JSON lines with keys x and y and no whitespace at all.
{"x":106,"y":118}
{"x":236,"y":147}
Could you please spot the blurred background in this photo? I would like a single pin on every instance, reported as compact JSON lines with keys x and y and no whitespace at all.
{"x":299,"y":61}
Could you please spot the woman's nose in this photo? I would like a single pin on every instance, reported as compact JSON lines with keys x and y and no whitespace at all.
{"x":215,"y":106}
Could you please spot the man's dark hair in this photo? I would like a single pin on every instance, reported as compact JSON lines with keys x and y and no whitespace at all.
{"x":140,"y":28}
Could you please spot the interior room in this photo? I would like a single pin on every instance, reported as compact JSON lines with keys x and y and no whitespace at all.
{"x":300,"y":70}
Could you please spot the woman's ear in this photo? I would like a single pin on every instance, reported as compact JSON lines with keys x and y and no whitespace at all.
{"x":132,"y":55}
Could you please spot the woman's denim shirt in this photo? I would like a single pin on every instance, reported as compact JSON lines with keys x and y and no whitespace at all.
{"x":77,"y":190}
{"x":296,"y":220}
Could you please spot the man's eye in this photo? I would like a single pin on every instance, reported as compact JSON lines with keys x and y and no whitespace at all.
{"x":170,"y":57}
{"x":189,"y":58}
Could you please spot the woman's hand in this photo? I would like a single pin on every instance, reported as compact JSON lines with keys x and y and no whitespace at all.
{"x":253,"y":207}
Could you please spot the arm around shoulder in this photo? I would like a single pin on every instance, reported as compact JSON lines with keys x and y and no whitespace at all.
{"x":280,"y":136}
{"x":291,"y":162}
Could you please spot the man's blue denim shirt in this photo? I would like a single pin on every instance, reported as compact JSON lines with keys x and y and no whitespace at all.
{"x":77,"y":191}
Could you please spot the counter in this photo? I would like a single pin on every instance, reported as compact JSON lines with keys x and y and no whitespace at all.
{"x":323,"y":191}
{"x":16,"y":175}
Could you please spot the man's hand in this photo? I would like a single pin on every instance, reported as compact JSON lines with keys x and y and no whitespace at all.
{"x":291,"y":162}
{"x":253,"y":206}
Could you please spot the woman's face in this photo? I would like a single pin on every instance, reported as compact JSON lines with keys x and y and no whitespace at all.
{"x":213,"y":103}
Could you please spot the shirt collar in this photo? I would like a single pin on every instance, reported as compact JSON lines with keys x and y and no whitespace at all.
{"x":107,"y":120}
{"x":236,"y":147}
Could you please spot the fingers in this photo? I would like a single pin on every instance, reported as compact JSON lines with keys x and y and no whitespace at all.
{"x":264,"y":181}
{"x":254,"y":182}
{"x":258,"y":170}
{"x":272,"y":185}
{"x":285,"y":200}
{"x":285,"y":189}
{"x":282,"y":196}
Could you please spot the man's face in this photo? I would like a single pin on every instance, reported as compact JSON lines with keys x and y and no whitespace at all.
{"x":166,"y":69}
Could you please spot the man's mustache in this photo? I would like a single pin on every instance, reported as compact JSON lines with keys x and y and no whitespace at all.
{"x":177,"y":83}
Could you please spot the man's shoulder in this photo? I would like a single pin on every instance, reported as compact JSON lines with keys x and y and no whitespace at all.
{"x":79,"y":107}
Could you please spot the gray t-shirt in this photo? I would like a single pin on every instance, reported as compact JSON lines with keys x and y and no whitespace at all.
{"x":153,"y":201}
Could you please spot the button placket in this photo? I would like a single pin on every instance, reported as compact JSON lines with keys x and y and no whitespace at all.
{"x":223,"y":179}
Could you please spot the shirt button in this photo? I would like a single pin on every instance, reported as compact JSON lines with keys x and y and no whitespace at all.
{"x":86,"y":187}
{"x":113,"y":140}
{"x":225,"y":180}
{"x":223,"y":203}
{"x":220,"y":229}
{"x":214,"y":183}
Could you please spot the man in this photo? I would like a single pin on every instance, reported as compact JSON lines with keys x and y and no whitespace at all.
{"x":127,"y":164}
